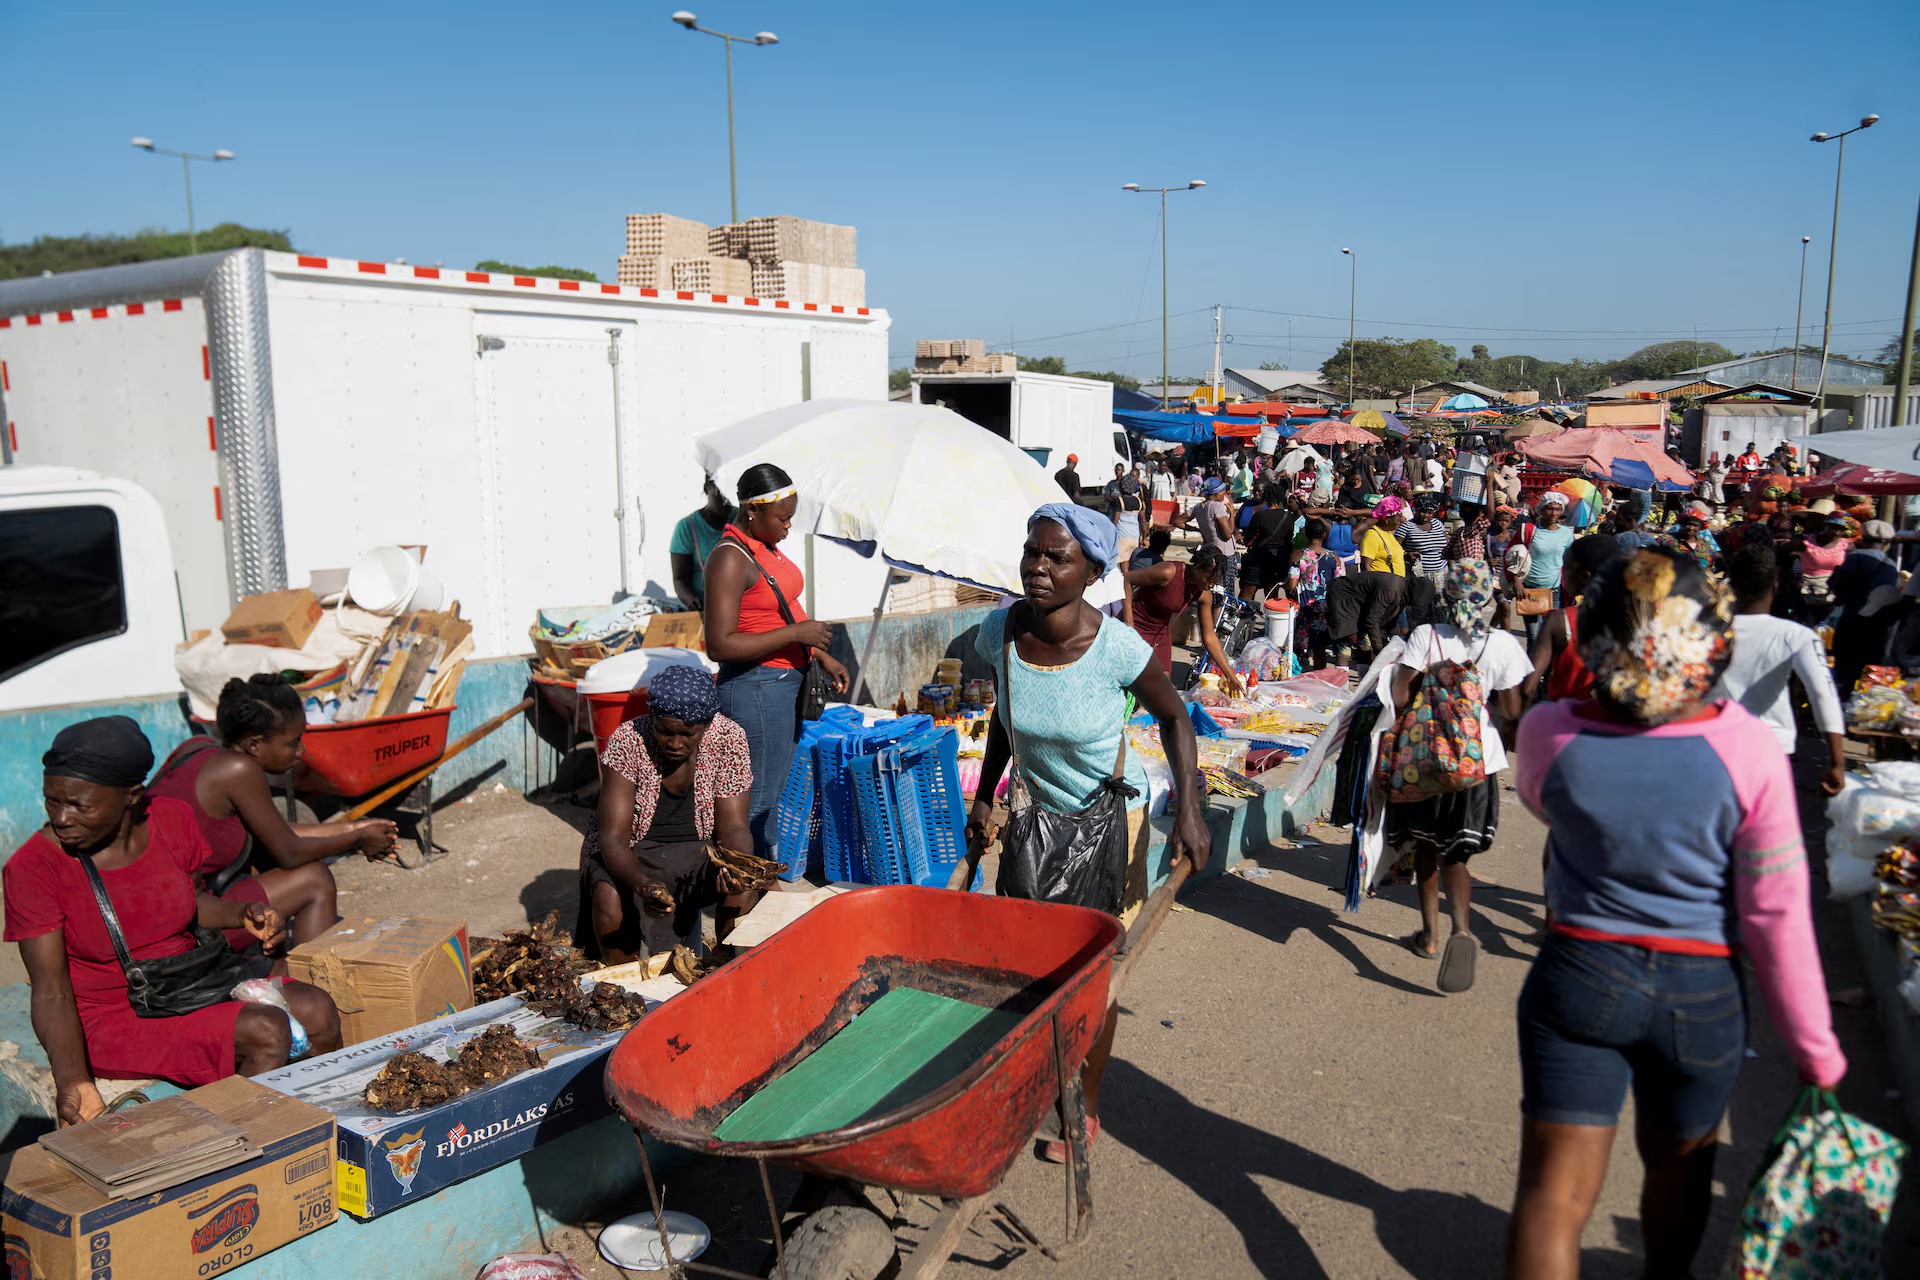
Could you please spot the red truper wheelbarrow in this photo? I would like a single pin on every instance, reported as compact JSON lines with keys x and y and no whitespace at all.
{"x":687,"y":1065}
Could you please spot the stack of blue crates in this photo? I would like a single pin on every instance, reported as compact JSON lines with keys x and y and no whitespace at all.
{"x":873,"y":805}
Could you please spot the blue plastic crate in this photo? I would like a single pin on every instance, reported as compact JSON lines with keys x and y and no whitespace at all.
{"x":910,"y":818}
{"x":842,"y":843}
{"x":798,"y":817}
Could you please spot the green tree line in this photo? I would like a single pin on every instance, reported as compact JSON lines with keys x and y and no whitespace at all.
{"x":81,"y":253}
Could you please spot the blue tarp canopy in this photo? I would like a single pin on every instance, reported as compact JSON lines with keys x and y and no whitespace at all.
{"x":1177,"y":428}
{"x":1635,"y":474}
{"x":1132,"y":400}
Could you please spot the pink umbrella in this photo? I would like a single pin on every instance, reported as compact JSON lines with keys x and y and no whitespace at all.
{"x":1618,"y":456}
{"x":1334,"y":433}
{"x":1851,"y":477}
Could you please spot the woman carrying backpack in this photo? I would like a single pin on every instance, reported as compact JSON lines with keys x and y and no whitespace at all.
{"x":1439,"y":762}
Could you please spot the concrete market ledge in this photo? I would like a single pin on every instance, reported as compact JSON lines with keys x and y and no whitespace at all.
{"x":1243,"y":828}
{"x":1879,"y":954}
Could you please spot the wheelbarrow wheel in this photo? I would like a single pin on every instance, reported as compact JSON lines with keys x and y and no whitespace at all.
{"x":839,"y":1242}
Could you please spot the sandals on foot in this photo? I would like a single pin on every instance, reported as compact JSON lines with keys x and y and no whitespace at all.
{"x":1456,"y":964}
{"x":1055,"y":1152}
{"x":1416,"y":942}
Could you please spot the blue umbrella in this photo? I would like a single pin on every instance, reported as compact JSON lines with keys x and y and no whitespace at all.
{"x":1465,"y":400}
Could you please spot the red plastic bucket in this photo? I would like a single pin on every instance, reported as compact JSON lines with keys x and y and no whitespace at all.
{"x":611,"y":710}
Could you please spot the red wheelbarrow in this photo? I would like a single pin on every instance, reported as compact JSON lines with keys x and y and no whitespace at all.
{"x":687,"y":1065}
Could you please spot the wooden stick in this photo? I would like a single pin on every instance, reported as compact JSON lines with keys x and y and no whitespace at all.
{"x":962,"y":877}
{"x":379,"y":798}
{"x":1135,"y":943}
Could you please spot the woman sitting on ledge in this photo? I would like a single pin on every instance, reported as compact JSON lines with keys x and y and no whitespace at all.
{"x":147,"y":852}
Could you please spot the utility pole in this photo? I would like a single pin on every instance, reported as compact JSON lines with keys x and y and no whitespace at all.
{"x":1798,"y":307}
{"x":1833,"y":253}
{"x":1902,"y":378}
{"x":1216,"y":355}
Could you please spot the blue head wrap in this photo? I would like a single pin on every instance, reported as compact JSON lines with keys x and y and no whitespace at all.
{"x":1214,"y":486}
{"x":1093,"y":531}
{"x":684,"y":692}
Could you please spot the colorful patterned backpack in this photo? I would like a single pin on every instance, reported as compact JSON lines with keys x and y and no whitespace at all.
{"x":1433,"y":747}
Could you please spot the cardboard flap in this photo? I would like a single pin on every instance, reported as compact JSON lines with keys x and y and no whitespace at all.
{"x":330,"y":973}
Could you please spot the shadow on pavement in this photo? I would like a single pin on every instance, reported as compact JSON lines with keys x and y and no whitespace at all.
{"x":1434,"y":1235}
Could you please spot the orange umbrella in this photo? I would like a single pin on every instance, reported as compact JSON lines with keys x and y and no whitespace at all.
{"x":1334,"y":433}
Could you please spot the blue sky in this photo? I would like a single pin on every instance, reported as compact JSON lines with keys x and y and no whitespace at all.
{"x":1605,"y":175}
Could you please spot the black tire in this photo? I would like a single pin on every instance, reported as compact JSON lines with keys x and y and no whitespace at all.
{"x":840,"y":1242}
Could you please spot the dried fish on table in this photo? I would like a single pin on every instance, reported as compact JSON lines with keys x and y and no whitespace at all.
{"x":541,"y":961}
{"x":608,"y":1007}
{"x":411,"y":1080}
{"x":493,"y":1055}
{"x":747,"y":871}
{"x":686,"y":966}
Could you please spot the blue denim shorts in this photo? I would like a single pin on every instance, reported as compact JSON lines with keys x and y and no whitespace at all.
{"x":1596,"y":1017}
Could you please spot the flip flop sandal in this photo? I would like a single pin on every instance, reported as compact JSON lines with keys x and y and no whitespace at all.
{"x":1415,"y":941}
{"x":1456,"y":964}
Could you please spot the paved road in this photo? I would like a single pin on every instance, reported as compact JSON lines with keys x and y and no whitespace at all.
{"x":1291,"y":1097}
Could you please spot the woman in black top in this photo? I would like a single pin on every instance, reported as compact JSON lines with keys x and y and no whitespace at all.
{"x":1269,"y":541}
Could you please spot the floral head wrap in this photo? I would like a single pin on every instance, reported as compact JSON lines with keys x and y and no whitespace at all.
{"x":1469,"y":597}
{"x":1656,"y":630}
{"x":1388,"y":507}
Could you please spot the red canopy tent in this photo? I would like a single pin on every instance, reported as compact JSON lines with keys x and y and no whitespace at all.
{"x":1597,"y":449}
{"x":1852,"y":477}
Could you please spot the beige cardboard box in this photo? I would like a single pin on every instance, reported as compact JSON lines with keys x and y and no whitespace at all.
{"x":58,"y":1227}
{"x":278,"y":619}
{"x":673,"y":631}
{"x":387,"y":975}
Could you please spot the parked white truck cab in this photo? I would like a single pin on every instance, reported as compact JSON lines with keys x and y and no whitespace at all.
{"x":88,"y":605}
{"x":1038,"y":411}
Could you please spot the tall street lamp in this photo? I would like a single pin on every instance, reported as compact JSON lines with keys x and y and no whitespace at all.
{"x":1353,"y":294}
{"x":1833,"y":249}
{"x":692,"y":23}
{"x":1136,"y":187}
{"x":1799,"y":307}
{"x":186,"y":174}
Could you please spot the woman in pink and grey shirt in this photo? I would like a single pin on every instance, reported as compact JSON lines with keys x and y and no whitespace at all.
{"x":1638,"y":984}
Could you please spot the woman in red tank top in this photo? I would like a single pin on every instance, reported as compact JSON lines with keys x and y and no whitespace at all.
{"x":262,"y":723}
{"x":763,"y":649}
{"x":1160,"y":592}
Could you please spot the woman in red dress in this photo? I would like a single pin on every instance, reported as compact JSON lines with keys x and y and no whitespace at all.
{"x":262,"y":723}
{"x":148,"y":852}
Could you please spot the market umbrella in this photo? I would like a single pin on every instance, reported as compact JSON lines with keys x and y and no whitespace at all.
{"x":1334,"y":433}
{"x":1532,"y":427}
{"x":1889,"y":448}
{"x":917,"y":485}
{"x":1620,"y":456}
{"x":1465,"y":400}
{"x":1851,"y":477}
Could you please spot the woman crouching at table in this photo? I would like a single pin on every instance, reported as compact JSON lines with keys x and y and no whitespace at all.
{"x":671,"y":782}
{"x":147,"y":853}
{"x":1064,"y":671}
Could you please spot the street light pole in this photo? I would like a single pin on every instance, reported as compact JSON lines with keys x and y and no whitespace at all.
{"x":692,"y":23}
{"x":1353,"y":297}
{"x":1799,"y":307}
{"x":1902,"y":380}
{"x":186,"y":176}
{"x":1136,"y":188}
{"x":1833,"y":250}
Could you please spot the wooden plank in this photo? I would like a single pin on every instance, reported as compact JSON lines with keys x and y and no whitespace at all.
{"x":903,"y":1046}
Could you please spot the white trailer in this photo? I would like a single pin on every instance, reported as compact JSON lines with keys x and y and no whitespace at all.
{"x":1038,"y":411}
{"x":290,"y":411}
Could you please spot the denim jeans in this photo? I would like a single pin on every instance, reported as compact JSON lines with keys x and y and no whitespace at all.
{"x":765,"y":701}
{"x":1598,"y":1016}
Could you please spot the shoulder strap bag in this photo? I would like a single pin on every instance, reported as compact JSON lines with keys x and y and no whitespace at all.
{"x":173,"y":986}
{"x":1433,"y":747}
{"x":817,"y":687}
{"x":1077,"y":858}
{"x":225,"y":878}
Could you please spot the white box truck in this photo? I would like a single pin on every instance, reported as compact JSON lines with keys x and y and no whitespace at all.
{"x":1038,"y":411}
{"x":287,"y":412}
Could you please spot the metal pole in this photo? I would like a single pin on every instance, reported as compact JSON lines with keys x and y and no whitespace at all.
{"x":1163,"y":298}
{"x":1216,"y":354}
{"x":1798,"y":308}
{"x":1902,"y":382}
{"x":733,"y":178}
{"x":1833,"y":255}
{"x":186,"y":173}
{"x":1353,"y":294}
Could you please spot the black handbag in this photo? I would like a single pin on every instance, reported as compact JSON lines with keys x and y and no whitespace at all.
{"x":817,"y":687}
{"x":172,"y":986}
{"x":1078,"y":858}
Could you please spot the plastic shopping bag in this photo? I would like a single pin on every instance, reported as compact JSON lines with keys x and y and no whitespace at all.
{"x":1819,"y":1205}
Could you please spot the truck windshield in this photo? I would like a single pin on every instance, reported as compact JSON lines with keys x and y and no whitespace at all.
{"x":60,"y":583}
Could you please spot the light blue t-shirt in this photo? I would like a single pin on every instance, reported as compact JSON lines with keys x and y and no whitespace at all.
{"x":1549,"y":549}
{"x":1067,"y":722}
{"x":693,"y":536}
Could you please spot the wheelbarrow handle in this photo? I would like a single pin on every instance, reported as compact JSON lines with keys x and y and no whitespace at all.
{"x":1150,"y":919}
{"x":962,"y":877}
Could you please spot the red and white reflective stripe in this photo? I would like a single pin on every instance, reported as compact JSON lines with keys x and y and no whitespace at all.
{"x":93,"y":313}
{"x":542,"y":284}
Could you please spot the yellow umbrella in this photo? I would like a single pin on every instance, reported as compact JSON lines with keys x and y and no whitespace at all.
{"x":1370,"y":419}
